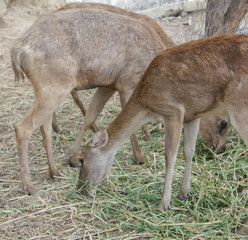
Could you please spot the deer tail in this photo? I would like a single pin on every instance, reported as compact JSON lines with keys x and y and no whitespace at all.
{"x":16,"y":64}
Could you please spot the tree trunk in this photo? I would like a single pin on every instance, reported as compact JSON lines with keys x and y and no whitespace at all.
{"x":234,"y":14}
{"x":224,"y":16}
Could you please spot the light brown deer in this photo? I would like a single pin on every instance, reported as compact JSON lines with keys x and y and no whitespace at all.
{"x":100,"y":97}
{"x":200,"y":78}
{"x":77,"y":49}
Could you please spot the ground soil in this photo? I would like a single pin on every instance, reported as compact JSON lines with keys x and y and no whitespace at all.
{"x":15,"y":101}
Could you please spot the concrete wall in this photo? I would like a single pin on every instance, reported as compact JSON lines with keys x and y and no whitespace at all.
{"x":137,"y":4}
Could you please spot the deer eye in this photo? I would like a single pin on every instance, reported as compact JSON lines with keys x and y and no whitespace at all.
{"x":223,"y":125}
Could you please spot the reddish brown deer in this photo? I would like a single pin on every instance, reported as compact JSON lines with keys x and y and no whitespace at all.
{"x":76,"y":49}
{"x":200,"y":78}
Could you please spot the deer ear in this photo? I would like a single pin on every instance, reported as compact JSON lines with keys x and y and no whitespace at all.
{"x":100,"y":139}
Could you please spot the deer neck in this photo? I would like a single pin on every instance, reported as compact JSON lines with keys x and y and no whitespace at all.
{"x":129,"y":119}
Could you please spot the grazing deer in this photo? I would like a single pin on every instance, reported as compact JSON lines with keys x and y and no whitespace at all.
{"x":200,"y":78}
{"x":77,"y":49}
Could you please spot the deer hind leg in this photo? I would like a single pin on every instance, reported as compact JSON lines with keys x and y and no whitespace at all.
{"x":82,"y":108}
{"x":190,"y":134}
{"x":55,"y":124}
{"x":39,"y":114}
{"x":46,"y":130}
{"x":97,"y":103}
{"x":146,"y":132}
{"x":173,"y":129}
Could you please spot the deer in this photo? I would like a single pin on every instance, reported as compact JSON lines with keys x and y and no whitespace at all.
{"x":78,"y":49}
{"x":206,"y":77}
{"x":98,"y":101}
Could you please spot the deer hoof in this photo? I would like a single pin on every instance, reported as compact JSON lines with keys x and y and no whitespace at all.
{"x":90,"y":193}
{"x":140,"y":161}
{"x":32,"y":191}
{"x":37,"y":194}
{"x":182,"y":195}
{"x":54,"y":173}
{"x":56,"y":129}
{"x":164,"y":207}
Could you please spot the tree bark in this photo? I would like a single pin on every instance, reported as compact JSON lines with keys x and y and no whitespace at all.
{"x":234,"y":14}
{"x":224,"y":16}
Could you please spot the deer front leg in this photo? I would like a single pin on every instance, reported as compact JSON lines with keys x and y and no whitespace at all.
{"x":98,"y":101}
{"x":82,"y":108}
{"x":190,"y":134}
{"x":173,"y":129}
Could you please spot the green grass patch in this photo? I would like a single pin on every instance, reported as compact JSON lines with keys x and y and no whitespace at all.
{"x":127,"y":201}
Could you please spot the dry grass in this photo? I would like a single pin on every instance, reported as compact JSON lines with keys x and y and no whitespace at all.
{"x":126,"y":206}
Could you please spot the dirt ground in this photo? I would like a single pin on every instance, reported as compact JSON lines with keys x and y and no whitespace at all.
{"x":15,"y":101}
